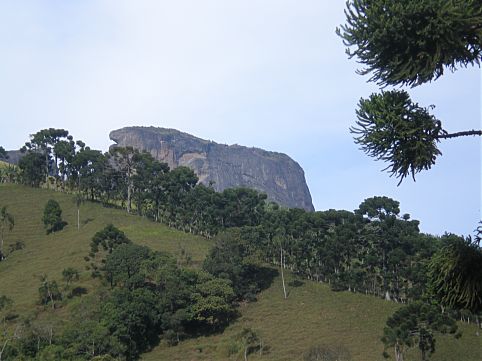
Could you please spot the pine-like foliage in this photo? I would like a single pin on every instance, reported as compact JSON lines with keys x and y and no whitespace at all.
{"x":394,"y":129}
{"x":411,"y":42}
{"x":456,"y":275}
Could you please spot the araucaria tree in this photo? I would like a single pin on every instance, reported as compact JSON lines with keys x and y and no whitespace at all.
{"x":7,"y":222}
{"x":456,"y":275}
{"x":408,"y":43}
{"x":416,"y":325}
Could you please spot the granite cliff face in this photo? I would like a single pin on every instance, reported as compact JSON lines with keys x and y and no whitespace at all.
{"x":275,"y":174}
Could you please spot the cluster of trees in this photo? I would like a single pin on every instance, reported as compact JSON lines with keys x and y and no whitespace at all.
{"x":416,"y":325}
{"x":146,"y":296}
{"x":411,"y":43}
{"x":373,"y":250}
{"x":135,"y":181}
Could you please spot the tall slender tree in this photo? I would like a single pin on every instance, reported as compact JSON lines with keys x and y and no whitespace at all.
{"x":125,"y":160}
{"x":7,"y":222}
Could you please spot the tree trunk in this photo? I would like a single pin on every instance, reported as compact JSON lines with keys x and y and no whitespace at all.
{"x":282,"y":273}
{"x":398,"y":353}
{"x":47,"y":168}
{"x":50,"y":295}
{"x":2,"y":256}
{"x":78,"y":218}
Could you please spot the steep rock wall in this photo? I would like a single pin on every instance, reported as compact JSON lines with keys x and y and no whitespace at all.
{"x":275,"y":174}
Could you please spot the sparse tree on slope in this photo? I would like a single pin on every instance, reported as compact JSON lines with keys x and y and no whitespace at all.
{"x":416,"y":325}
{"x":7,"y":222}
{"x":125,"y":160}
{"x":52,"y":217}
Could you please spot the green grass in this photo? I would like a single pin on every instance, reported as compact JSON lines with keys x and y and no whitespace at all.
{"x":50,"y":254}
{"x":312,"y":314}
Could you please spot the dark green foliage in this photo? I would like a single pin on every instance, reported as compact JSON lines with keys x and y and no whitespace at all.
{"x":379,"y":208}
{"x":103,"y":244}
{"x":124,"y":263}
{"x":250,"y":340}
{"x":154,"y":298}
{"x":392,"y":128}
{"x":3,"y":153}
{"x":89,"y":338}
{"x":132,"y":317}
{"x":70,"y":274}
{"x":243,"y":207}
{"x":456,"y":274}
{"x":138,"y":182}
{"x":409,"y":42}
{"x":49,"y":292}
{"x":44,"y":142}
{"x":212,"y":301}
{"x":231,"y":258}
{"x":52,"y":217}
{"x":412,"y":42}
{"x":91,"y":173}
{"x":373,"y":250}
{"x":108,"y":238}
{"x":415,"y":325}
{"x":5,"y":302}
{"x":32,"y":167}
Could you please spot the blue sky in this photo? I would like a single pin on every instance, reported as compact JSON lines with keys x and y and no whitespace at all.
{"x":270,"y":74}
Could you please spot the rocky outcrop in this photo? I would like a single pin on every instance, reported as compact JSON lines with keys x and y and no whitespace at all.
{"x":226,"y":166}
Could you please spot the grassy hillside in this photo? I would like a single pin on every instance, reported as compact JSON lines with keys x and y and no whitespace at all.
{"x":50,"y":254}
{"x":312,"y":314}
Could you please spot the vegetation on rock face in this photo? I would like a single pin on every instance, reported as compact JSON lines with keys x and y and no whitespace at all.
{"x":220,"y":166}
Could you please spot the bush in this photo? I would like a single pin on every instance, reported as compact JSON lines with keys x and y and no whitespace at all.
{"x":53,"y":217}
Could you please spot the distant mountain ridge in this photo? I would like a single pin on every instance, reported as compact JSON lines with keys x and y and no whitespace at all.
{"x":226,"y":166}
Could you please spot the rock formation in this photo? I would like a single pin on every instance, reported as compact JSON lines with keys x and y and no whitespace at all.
{"x":227,"y":166}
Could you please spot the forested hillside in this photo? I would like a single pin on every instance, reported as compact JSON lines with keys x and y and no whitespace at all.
{"x":102,"y":276}
{"x":311,"y":316}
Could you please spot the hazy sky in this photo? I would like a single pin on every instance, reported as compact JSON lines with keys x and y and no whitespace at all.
{"x":265,"y":73}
